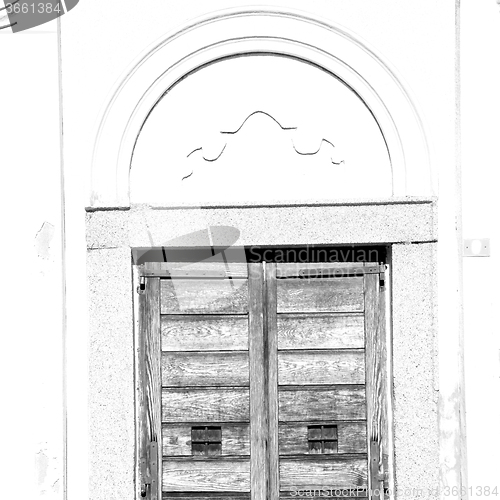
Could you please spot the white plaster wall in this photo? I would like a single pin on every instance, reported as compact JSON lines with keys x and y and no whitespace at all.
{"x":480,"y":70}
{"x":31,"y":356}
{"x":416,"y":38}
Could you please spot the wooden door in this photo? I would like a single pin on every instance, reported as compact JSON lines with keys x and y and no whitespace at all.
{"x":261,"y":381}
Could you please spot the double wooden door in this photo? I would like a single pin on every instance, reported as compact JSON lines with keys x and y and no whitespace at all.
{"x":261,"y":381}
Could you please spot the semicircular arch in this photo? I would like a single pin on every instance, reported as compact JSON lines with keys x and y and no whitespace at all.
{"x":238,"y":32}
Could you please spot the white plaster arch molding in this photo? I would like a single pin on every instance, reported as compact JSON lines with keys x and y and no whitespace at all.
{"x":259,"y":30}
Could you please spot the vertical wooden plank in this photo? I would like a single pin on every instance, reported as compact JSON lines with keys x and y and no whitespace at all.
{"x":137,"y":271}
{"x":272,"y":370}
{"x":386,"y":384}
{"x":376,"y":374}
{"x":150,"y":387}
{"x":143,"y":435}
{"x":258,"y":399}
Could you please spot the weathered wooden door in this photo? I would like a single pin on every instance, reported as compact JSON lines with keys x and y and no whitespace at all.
{"x":261,"y":381}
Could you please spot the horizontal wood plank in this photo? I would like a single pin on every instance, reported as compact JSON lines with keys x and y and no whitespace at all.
{"x":295,"y":269}
{"x":197,"y":296}
{"x":320,"y":295}
{"x":196,"y":269}
{"x":331,"y":404}
{"x":207,"y":476}
{"x":204,"y":369}
{"x":334,"y":473}
{"x":321,"y":367}
{"x":204,"y":333}
{"x":182,"y":495}
{"x":332,"y":494}
{"x":351,"y":438}
{"x":213,"y":405}
{"x":321,"y":331}
{"x":177,"y":440}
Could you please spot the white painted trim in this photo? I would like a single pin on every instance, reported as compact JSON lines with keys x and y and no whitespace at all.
{"x":234,"y":32}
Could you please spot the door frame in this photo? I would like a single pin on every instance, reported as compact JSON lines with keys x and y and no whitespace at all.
{"x":378,"y":388}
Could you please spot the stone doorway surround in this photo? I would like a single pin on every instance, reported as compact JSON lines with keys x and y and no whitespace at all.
{"x":405,"y":222}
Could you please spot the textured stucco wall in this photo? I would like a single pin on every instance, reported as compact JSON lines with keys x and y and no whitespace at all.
{"x":416,"y":435}
{"x":111,"y":375}
{"x":299,"y":225}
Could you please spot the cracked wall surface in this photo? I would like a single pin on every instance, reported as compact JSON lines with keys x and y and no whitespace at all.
{"x":294,"y":225}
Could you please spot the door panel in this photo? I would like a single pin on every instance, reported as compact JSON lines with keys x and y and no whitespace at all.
{"x":331,"y":403}
{"x":320,"y":295}
{"x":210,"y":405}
{"x":327,"y":474}
{"x":321,"y":385}
{"x":210,"y":337}
{"x":208,"y":476}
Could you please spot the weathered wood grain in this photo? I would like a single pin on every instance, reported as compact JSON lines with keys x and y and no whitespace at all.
{"x":320,"y":295}
{"x":272,"y":370}
{"x":321,"y":331}
{"x":329,"y":404}
{"x":182,"y":369}
{"x":177,"y":440}
{"x":376,"y":376}
{"x":336,"y":472}
{"x":321,"y":367}
{"x":351,"y":438}
{"x":208,"y":475}
{"x":204,"y":333}
{"x":258,"y":400}
{"x":182,"y":495}
{"x":332,"y":494}
{"x":196,"y":296}
{"x":211,"y":405}
{"x":150,"y":377}
{"x":387,"y":459}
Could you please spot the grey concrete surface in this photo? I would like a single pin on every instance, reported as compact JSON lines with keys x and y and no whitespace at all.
{"x":352,"y":224}
{"x":111,"y":375}
{"x":415,"y":370}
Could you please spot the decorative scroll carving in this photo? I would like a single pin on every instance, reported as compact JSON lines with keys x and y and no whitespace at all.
{"x":294,"y":133}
